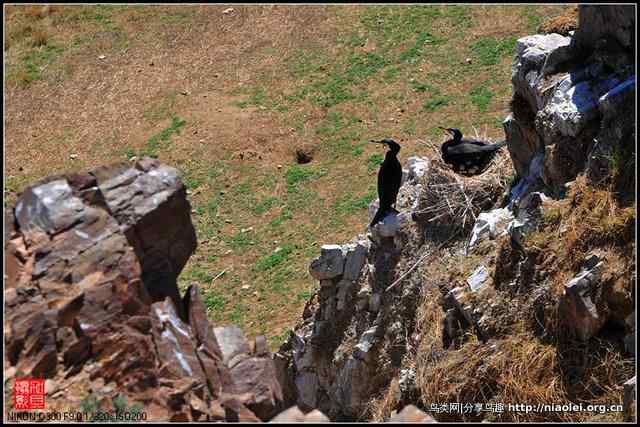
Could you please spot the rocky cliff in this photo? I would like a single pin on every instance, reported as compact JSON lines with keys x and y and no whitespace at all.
{"x":530,"y":302}
{"x":92,"y":305}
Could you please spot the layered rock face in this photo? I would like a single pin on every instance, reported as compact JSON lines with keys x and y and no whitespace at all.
{"x":91,"y":297}
{"x":570,"y":95}
{"x":574,"y":112}
{"x":352,"y":327}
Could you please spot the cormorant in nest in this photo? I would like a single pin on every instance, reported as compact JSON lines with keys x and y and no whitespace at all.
{"x":468,"y":157}
{"x":389,"y":179}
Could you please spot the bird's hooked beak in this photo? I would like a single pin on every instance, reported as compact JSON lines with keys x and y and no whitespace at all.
{"x":448,"y":130}
{"x":383,"y":142}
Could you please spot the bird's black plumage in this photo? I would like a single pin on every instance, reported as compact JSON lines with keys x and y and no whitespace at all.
{"x":468,"y":157}
{"x":389,"y":180}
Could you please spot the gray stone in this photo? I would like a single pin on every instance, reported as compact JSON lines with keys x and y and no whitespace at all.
{"x":478,"y":278}
{"x":51,"y":206}
{"x":531,"y":54}
{"x":291,"y":415}
{"x":578,"y":311}
{"x":233,"y":344}
{"x":417,"y":167}
{"x":356,"y":254}
{"x":307,"y":386}
{"x":598,"y":21}
{"x":523,"y":143}
{"x":630,"y":343}
{"x":411,"y":414}
{"x":529,"y":212}
{"x":572,"y":105}
{"x":490,"y":225}
{"x":330,"y":264}
{"x":374,"y":302}
{"x":362,"y":298}
{"x":344,"y":291}
{"x":388,"y":227}
{"x":611,"y":101}
{"x":316,"y":416}
{"x":366,"y":343}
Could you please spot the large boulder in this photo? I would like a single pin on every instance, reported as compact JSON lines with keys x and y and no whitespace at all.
{"x":91,"y":298}
{"x":565,"y":88}
{"x":330,"y":264}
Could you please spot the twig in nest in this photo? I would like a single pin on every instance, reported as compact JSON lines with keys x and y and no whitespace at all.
{"x":422,"y":258}
{"x":219,"y":275}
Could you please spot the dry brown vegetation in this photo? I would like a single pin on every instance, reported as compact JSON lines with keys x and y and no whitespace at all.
{"x":524,"y":362}
{"x":586,"y":220}
{"x":562,"y":24}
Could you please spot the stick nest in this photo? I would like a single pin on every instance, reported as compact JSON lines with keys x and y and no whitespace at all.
{"x":449,"y":199}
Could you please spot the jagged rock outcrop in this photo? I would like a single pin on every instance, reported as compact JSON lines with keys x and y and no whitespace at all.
{"x":333,"y":356}
{"x":91,"y":297}
{"x":578,"y":302}
{"x":564,"y":90}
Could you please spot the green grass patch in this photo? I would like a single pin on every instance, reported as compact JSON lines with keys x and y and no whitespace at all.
{"x":257,"y":97}
{"x":392,"y":25}
{"x":338,"y":85}
{"x":358,"y":149}
{"x":163,"y":138}
{"x":435,"y":102}
{"x":297,"y":174}
{"x":490,"y":50}
{"x":33,"y":64}
{"x":241,"y":240}
{"x":163,"y":109}
{"x":481,"y":96}
{"x":348,"y":204}
{"x":531,"y":18}
{"x":213,"y":300}
{"x":190,"y":180}
{"x":412,"y":54}
{"x":373,"y":161}
{"x":278,"y":256}
{"x":421,"y":87}
{"x":265,"y":205}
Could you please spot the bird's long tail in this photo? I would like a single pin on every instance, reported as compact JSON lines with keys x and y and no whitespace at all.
{"x":500,"y":144}
{"x":382,"y":211}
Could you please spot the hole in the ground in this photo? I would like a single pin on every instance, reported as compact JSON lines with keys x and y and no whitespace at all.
{"x":303,"y":155}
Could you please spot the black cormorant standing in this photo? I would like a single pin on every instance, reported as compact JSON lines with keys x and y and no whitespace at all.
{"x":468,"y":157}
{"x":389,"y":179}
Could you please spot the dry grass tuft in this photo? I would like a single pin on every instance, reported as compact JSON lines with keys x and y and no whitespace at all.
{"x":453,"y":200}
{"x":380,"y":408}
{"x":515,"y":370}
{"x":38,"y":11}
{"x":561,"y":24}
{"x":588,"y":218}
{"x":40,"y":38}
